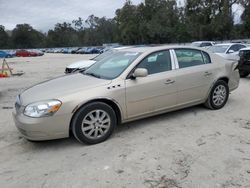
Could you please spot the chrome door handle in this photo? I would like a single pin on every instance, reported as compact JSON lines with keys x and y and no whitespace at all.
{"x":169,"y":82}
{"x":208,"y":74}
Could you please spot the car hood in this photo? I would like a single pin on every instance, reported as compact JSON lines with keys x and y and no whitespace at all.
{"x":81,"y":64}
{"x":59,"y":87}
{"x":231,"y":57}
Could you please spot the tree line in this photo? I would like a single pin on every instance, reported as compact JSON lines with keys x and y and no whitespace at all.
{"x":152,"y":21}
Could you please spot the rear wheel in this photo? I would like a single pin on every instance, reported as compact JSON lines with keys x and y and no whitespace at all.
{"x":94,"y":123}
{"x":218,"y":95}
{"x":244,"y":74}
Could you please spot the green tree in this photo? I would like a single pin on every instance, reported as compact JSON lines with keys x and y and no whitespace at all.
{"x":246,"y":19}
{"x":4,"y":38}
{"x":127,"y":19}
{"x":24,"y":36}
{"x":63,"y":35}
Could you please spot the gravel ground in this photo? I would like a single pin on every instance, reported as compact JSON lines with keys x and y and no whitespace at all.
{"x":190,"y":148}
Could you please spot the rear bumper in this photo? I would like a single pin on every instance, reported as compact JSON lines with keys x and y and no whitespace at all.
{"x":234,"y":80}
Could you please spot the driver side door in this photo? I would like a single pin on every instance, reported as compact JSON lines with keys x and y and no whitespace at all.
{"x":155,"y":92}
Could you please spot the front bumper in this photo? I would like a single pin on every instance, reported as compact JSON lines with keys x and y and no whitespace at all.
{"x":46,"y":128}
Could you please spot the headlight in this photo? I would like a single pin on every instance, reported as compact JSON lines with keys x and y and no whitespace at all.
{"x":42,"y":109}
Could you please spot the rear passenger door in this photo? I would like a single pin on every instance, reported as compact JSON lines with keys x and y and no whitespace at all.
{"x":194,"y":75}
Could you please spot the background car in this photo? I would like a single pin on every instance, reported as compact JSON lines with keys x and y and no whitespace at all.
{"x":202,"y":44}
{"x":37,"y":52}
{"x":229,"y":51}
{"x":84,"y":64}
{"x":5,"y":54}
{"x":25,"y":53}
{"x":244,"y":63}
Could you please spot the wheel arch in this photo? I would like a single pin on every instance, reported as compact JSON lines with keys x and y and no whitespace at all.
{"x":223,"y":78}
{"x":111,"y":102}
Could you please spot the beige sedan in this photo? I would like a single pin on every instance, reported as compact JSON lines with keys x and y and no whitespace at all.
{"x":131,"y":84}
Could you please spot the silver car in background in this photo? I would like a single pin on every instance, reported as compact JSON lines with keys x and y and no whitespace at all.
{"x":229,"y":51}
{"x":131,"y":84}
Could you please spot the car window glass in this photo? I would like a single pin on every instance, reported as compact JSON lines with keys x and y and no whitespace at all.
{"x":236,"y":47}
{"x":241,"y":46}
{"x":157,"y":62}
{"x":206,"y":44}
{"x":189,"y":57}
{"x":112,"y":66}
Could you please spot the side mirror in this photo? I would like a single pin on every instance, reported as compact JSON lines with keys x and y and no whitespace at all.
{"x":140,"y":72}
{"x":230,"y":51}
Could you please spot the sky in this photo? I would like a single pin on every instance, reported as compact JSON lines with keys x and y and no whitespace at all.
{"x":44,"y":14}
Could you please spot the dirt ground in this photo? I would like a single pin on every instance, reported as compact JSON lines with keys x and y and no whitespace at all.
{"x":190,"y":148}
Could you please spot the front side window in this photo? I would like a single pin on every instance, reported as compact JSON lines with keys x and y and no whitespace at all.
{"x":157,"y":62}
{"x":112,"y":66}
{"x":236,"y":47}
{"x":189,"y":57}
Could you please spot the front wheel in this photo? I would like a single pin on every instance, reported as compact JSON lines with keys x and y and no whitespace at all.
{"x":218,"y":95}
{"x":94,"y":123}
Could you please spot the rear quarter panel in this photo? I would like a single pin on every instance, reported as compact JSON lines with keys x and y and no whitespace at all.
{"x":226,"y":69}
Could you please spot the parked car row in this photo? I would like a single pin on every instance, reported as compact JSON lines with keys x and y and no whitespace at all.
{"x":77,"y":50}
{"x":20,"y":53}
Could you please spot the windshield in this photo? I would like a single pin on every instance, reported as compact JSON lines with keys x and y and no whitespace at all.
{"x":219,"y":48}
{"x":104,"y":55}
{"x":112,"y":66}
{"x":196,"y":44}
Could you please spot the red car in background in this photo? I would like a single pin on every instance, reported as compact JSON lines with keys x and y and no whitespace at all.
{"x":25,"y":53}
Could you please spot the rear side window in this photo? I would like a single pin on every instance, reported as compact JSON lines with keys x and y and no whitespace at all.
{"x":189,"y":57}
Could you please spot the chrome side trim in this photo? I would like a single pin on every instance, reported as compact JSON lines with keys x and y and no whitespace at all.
{"x":175,"y":59}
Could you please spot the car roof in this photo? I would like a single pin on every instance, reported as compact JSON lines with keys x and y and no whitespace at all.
{"x":157,"y":48}
{"x":227,"y":44}
{"x":203,"y":41}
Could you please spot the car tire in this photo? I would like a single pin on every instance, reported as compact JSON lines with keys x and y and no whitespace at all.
{"x":244,"y":74}
{"x":218,"y":95}
{"x":94,"y":123}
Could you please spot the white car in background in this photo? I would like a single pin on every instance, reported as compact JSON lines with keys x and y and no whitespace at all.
{"x":203,"y":44}
{"x":229,"y":51}
{"x":84,"y":64}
